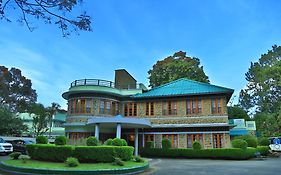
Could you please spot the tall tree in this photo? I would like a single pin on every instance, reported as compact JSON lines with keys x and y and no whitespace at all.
{"x":235,"y":112}
{"x":10,"y":123}
{"x":263,"y":91}
{"x":50,"y":11}
{"x":52,"y":111}
{"x":40,"y":117}
{"x":174,"y":67}
{"x":15,"y":90}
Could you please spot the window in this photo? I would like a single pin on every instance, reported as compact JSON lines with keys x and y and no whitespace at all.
{"x":173,"y":138}
{"x":107,"y":104}
{"x":216,"y":106}
{"x":217,"y":140}
{"x":193,"y":106}
{"x":82,"y":106}
{"x":102,"y":109}
{"x":191,"y":138}
{"x":149,"y":108}
{"x":88,"y":106}
{"x":130,"y":109}
{"x":169,"y":108}
{"x":114,"y":108}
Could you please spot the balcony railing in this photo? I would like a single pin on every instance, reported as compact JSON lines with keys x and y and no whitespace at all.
{"x":106,"y":83}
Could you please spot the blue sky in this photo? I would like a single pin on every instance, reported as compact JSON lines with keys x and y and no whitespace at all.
{"x":225,"y":35}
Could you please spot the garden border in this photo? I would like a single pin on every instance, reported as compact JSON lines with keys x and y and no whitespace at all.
{"x":16,"y":169}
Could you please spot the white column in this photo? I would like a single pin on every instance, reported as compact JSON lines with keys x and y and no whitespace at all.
{"x":136,"y":141}
{"x":97,"y":131}
{"x":118,"y":131}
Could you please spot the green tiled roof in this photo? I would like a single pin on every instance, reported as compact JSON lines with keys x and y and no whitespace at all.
{"x":182,"y":87}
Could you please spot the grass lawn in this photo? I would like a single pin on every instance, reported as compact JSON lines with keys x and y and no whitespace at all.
{"x":62,"y":166}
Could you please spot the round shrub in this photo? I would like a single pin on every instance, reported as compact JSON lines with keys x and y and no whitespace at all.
{"x":166,"y":144}
{"x":15,"y":155}
{"x":60,"y":140}
{"x":72,"y":162}
{"x":108,"y":142}
{"x":148,"y":144}
{"x":252,"y":142}
{"x":239,"y":143}
{"x":117,"y":142}
{"x":41,"y":140}
{"x":92,"y":141}
{"x":264,"y":141}
{"x":124,"y":143}
{"x":24,"y":158}
{"x":196,"y":145}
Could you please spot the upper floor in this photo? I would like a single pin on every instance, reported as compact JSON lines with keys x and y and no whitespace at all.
{"x":180,"y":98}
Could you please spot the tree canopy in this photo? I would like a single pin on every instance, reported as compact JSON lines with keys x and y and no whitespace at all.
{"x":49,"y":11}
{"x":174,"y":67}
{"x":10,"y":123}
{"x":263,"y":91}
{"x":16,"y":90}
{"x":235,"y":112}
{"x":41,"y":118}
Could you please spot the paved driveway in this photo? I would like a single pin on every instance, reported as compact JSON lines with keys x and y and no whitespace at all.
{"x":214,"y":167}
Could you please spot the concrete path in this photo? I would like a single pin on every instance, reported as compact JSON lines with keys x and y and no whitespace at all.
{"x":214,"y":167}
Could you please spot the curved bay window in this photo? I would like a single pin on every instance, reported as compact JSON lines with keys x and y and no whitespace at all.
{"x":80,"y":106}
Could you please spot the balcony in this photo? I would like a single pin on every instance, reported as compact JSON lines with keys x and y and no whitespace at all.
{"x":104,"y":83}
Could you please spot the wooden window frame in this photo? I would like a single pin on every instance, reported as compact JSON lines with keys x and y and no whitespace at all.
{"x":195,"y":137}
{"x":171,"y":108}
{"x":130,"y":109}
{"x":190,"y":103}
{"x":217,"y":108}
{"x":149,"y":108}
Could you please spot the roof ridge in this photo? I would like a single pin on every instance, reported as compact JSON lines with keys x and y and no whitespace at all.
{"x":209,"y":84}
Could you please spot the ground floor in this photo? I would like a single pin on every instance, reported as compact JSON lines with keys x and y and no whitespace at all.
{"x":183,"y":138}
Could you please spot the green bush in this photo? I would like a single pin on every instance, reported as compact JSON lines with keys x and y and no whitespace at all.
{"x":149,"y":144}
{"x":48,"y":152}
{"x":72,"y":162}
{"x":41,"y":140}
{"x":196,"y":145}
{"x":264,"y":141}
{"x":166,"y":144}
{"x":239,"y":143}
{"x":138,"y":159}
{"x":24,"y":158}
{"x":92,"y":141}
{"x":216,"y":153}
{"x":251,"y":140}
{"x":264,"y":150}
{"x":124,"y":152}
{"x":108,"y":142}
{"x":15,"y":155}
{"x":118,"y":161}
{"x":124,"y":143}
{"x":102,"y":153}
{"x":60,"y":140}
{"x":117,"y":142}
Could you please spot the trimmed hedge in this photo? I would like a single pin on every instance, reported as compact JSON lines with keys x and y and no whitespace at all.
{"x":264,"y":150}
{"x":196,"y":145}
{"x":239,"y":143}
{"x":103,"y":153}
{"x":41,"y":140}
{"x":49,"y":152}
{"x":92,"y":141}
{"x":216,"y":153}
{"x":264,"y":141}
{"x":108,"y":142}
{"x":117,"y":142}
{"x":60,"y":140}
{"x":125,"y":152}
{"x":251,"y":140}
{"x":149,"y":144}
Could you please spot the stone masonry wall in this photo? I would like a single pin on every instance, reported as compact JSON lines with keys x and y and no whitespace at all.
{"x":208,"y":141}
